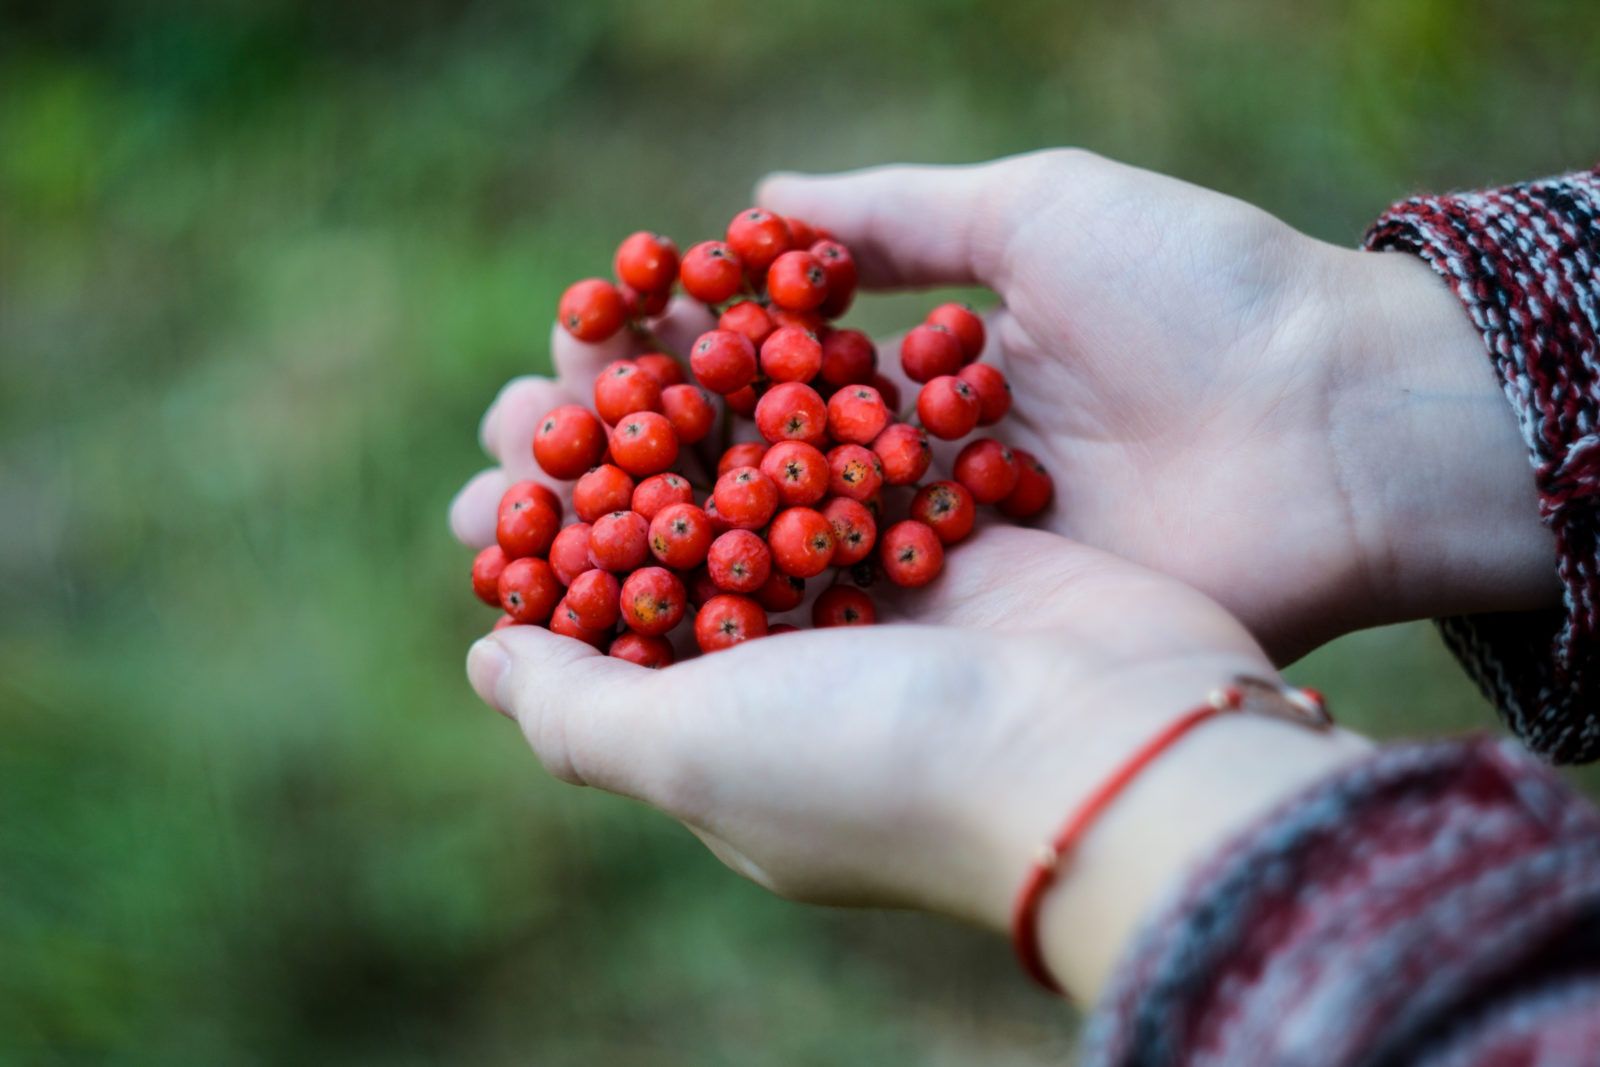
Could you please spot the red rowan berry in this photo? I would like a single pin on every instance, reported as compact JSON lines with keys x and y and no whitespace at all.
{"x":646,"y":261}
{"x":727,"y":619}
{"x":839,"y":267}
{"x":994,"y":392}
{"x":528,"y":590}
{"x":988,"y":469}
{"x":781,"y":592}
{"x":947,"y":509}
{"x":904,"y":453}
{"x":797,"y":282}
{"x":889,"y":389}
{"x":743,"y":454}
{"x":680,"y":535}
{"x":662,"y":367}
{"x":525,"y":523}
{"x":749,"y":318}
{"x":848,"y":358}
{"x":742,"y":401}
{"x":486,"y":568}
{"x":619,"y":542}
{"x":792,"y":411}
{"x":569,"y":441}
{"x":594,"y":599}
{"x":745,"y":498}
{"x":854,"y":471}
{"x":602,"y":491}
{"x":758,"y":237}
{"x":710,"y":272}
{"x":801,"y":541}
{"x":719,"y":525}
{"x":569,"y":553}
{"x":592,"y":310}
{"x":564,"y":621}
{"x":723,"y":361}
{"x":799,"y":470}
{"x":1034,"y":488}
{"x":640,"y":304}
{"x":646,"y":651}
{"x":643,"y":444}
{"x":855,"y":531}
{"x":927,"y":352}
{"x":808,"y":321}
{"x":653,"y":601}
{"x":964,"y":325}
{"x":658,"y":491}
{"x":804,"y":234}
{"x":843,"y":605}
{"x":791,"y":355}
{"x":948,"y":407}
{"x":911,"y":553}
{"x":739,"y":562}
{"x":856,"y":415}
{"x":689,"y":410}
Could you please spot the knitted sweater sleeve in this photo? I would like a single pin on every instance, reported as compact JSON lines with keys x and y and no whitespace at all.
{"x":1436,"y":904}
{"x":1525,"y":261}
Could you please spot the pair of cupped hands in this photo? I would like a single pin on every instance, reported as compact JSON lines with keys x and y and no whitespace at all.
{"x":1259,"y":441}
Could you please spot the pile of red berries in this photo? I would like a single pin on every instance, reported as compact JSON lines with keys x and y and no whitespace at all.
{"x":650,"y":549}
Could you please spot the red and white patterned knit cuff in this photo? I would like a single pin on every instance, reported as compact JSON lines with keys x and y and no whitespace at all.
{"x":1525,"y":260}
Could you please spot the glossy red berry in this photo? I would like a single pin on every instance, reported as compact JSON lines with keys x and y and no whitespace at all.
{"x":792,"y":411}
{"x":647,"y":262}
{"x":947,"y":509}
{"x":1034,"y":488}
{"x":854,"y":471}
{"x":739,"y":562}
{"x":749,"y":318}
{"x":791,"y":355}
{"x":644,"y":444}
{"x":640,"y":304}
{"x":782,"y":592}
{"x":799,"y":470}
{"x":594,"y":598}
{"x":758,"y":237}
{"x":727,"y":619}
{"x":662,"y":367}
{"x":619,"y":542}
{"x":857,"y":415}
{"x":742,"y":401}
{"x":569,"y":441}
{"x":659,"y":491}
{"x":839,"y":267}
{"x":528,"y":590}
{"x":743,"y":454}
{"x":689,"y":410}
{"x":653,"y":601}
{"x":927,"y":352}
{"x":680,"y":535}
{"x":994,"y":392}
{"x":988,"y":469}
{"x":843,"y":605}
{"x":592,"y":310}
{"x":643,"y":650}
{"x":911,"y":553}
{"x":710,"y":272}
{"x":525,"y":523}
{"x":745,"y":498}
{"x":848,"y":358}
{"x":809,"y":321}
{"x":564,"y":621}
{"x":904,"y":453}
{"x":569,"y":553}
{"x":723,"y":361}
{"x":948,"y":407}
{"x":964,"y":325}
{"x":601,"y":491}
{"x":797,"y":282}
{"x":855,"y":531}
{"x":486,"y":568}
{"x":801,"y":541}
{"x":805,"y":235}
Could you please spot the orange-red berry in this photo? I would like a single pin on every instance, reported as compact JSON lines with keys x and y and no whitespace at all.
{"x":680,"y":535}
{"x":799,"y":470}
{"x":564,"y":621}
{"x":711,"y":272}
{"x":642,"y":649}
{"x":964,"y":325}
{"x":644,"y":444}
{"x":839,"y":267}
{"x":843,"y":605}
{"x":801,"y":541}
{"x":662,"y":367}
{"x":797,"y":282}
{"x":988,"y":469}
{"x":569,"y":441}
{"x":739,"y":562}
{"x":743,"y":454}
{"x":745,"y":498}
{"x":742,"y":401}
{"x":791,"y":354}
{"x":619,"y":542}
{"x":857,"y":414}
{"x":604,"y":489}
{"x":647,"y":262}
{"x":911,"y":553}
{"x":1033,"y":491}
{"x":569,"y":552}
{"x":528,"y":590}
{"x":653,"y":601}
{"x":854,"y":471}
{"x":994,"y":392}
{"x":948,"y":407}
{"x":927,"y":352}
{"x":848,"y":358}
{"x":758,"y":237}
{"x":525,"y":523}
{"x":594,"y":599}
{"x":659,"y":491}
{"x":947,"y":508}
{"x":592,"y":310}
{"x":903,"y":451}
{"x":486,"y":568}
{"x":855,"y":531}
{"x":689,"y":410}
{"x":727,"y":619}
{"x":749,"y":318}
{"x":792,"y":411}
{"x":723,"y":361}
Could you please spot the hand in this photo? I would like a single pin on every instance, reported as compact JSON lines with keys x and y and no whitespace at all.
{"x":1310,"y":435}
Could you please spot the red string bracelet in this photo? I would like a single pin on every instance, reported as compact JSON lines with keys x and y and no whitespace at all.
{"x":1303,"y":706}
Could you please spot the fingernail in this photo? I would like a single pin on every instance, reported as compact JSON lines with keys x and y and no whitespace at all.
{"x":487,"y":669}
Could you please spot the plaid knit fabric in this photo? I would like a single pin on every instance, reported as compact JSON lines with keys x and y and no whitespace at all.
{"x":1525,"y":260}
{"x":1435,"y":904}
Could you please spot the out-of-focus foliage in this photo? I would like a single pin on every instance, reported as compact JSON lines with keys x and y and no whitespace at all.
{"x":263,"y":263}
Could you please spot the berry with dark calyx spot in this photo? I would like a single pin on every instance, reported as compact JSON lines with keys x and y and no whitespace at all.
{"x":486,"y":568}
{"x":601,"y":491}
{"x":727,"y":619}
{"x":711,"y":272}
{"x":988,"y":469}
{"x":689,"y":411}
{"x":594,"y":599}
{"x":569,"y":553}
{"x":739,"y":562}
{"x":857,"y":415}
{"x":745,"y":498}
{"x":723,"y":361}
{"x":592,"y":310}
{"x":781,"y":592}
{"x":927,"y":352}
{"x":749,"y":318}
{"x":904,"y":453}
{"x":994,"y":392}
{"x":843,"y":605}
{"x":680,"y":536}
{"x":619,"y":542}
{"x":947,"y":508}
{"x":840,"y":268}
{"x":565,"y":622}
{"x":569,"y":441}
{"x":653,"y":601}
{"x":642,"y":649}
{"x":758,"y":237}
{"x":911,"y":554}
{"x":743,"y":454}
{"x":948,"y":407}
{"x":964,"y":325}
{"x":801,"y":541}
{"x":799,"y":470}
{"x":742,"y":401}
{"x":792,"y":411}
{"x":647,"y":262}
{"x":528,"y":590}
{"x":791,"y":354}
{"x":662,"y":367}
{"x":1034,"y":488}
{"x":854,"y":471}
{"x":643,"y":444}
{"x":525,"y":523}
{"x":855,"y":531}
{"x":848,"y":358}
{"x":658,"y":491}
{"x":797,"y":282}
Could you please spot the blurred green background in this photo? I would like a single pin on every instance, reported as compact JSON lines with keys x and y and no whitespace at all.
{"x":262,"y":265}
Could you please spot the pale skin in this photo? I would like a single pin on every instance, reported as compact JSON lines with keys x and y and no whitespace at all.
{"x":1267,"y":440}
